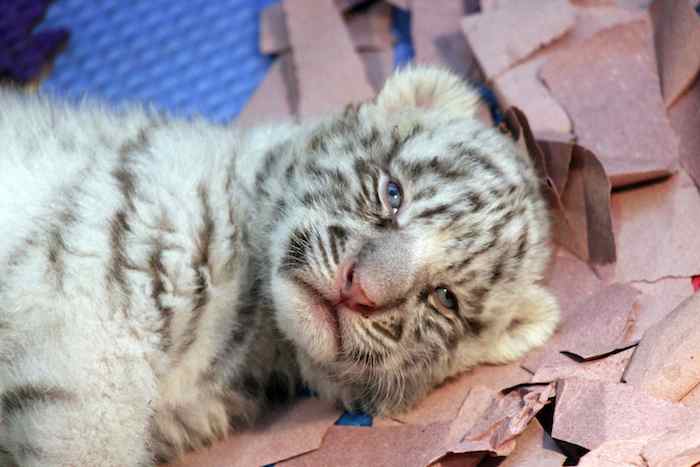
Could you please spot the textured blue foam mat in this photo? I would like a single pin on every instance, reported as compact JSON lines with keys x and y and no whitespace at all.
{"x":184,"y":56}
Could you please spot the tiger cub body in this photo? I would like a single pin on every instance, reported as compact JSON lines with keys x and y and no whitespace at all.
{"x":163,"y":282}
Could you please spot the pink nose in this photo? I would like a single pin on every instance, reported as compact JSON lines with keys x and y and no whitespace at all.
{"x":352,"y":295}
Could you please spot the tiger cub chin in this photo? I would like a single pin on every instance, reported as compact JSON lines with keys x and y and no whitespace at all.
{"x":163,"y":282}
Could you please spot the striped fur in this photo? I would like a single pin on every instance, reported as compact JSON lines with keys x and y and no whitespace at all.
{"x":178,"y":278}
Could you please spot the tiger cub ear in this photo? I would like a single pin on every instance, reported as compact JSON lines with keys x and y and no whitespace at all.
{"x":429,"y":88}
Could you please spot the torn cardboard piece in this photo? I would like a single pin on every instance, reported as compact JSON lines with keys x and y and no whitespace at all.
{"x":666,"y":363}
{"x":656,"y":301}
{"x":444,"y":403}
{"x":572,"y":281}
{"x":502,"y":422}
{"x":609,"y":369}
{"x":610,"y":90}
{"x":288,"y":433}
{"x":599,"y":326}
{"x":656,"y":230}
{"x":685,"y":118}
{"x":503,"y":37}
{"x":399,"y":446}
{"x":320,"y":69}
{"x":578,"y":192}
{"x":530,"y":450}
{"x":370,"y":28}
{"x":677,"y":448}
{"x":275,"y":99}
{"x":521,"y":85}
{"x":379,"y":65}
{"x":487,"y":422}
{"x":589,"y":413}
{"x":677,"y":44}
{"x":438,"y":38}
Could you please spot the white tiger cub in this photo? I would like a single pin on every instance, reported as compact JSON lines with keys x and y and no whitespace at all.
{"x":162,"y":282}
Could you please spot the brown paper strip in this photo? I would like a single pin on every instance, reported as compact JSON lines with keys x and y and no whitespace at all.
{"x":677,"y":43}
{"x":379,"y":65}
{"x":274,"y":100}
{"x":438,"y":38}
{"x":319,"y":69}
{"x":370,"y":28}
{"x":578,"y":192}
{"x":685,"y":118}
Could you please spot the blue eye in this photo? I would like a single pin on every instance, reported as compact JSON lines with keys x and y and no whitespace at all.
{"x":393,"y":195}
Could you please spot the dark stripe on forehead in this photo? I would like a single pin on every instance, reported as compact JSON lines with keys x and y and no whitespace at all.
{"x":425,"y":193}
{"x":433,"y":211}
{"x":370,"y":140}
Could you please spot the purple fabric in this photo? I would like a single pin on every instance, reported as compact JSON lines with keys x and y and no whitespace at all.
{"x":23,"y":54}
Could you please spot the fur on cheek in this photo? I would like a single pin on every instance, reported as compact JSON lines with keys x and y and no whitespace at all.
{"x":297,"y":320}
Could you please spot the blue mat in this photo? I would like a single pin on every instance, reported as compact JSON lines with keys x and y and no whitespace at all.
{"x":184,"y":56}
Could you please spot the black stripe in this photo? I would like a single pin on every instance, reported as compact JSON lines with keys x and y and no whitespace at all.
{"x":324,"y":254}
{"x":475,"y":299}
{"x":425,"y":193}
{"x":155,"y":264}
{"x":200,"y":263}
{"x":433,"y":211}
{"x":367,"y":357}
{"x":393,"y":330}
{"x":116,"y":276}
{"x":278,"y":388}
{"x":297,"y":251}
{"x":337,"y":236}
{"x":26,"y":396}
{"x":475,"y":201}
{"x":370,"y":140}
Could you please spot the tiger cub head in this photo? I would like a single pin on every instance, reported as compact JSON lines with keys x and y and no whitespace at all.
{"x":410,"y":245}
